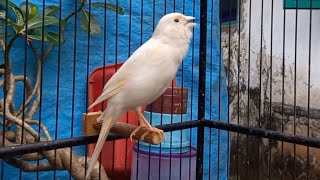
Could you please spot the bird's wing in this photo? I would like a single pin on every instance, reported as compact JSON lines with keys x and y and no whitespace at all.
{"x":108,"y":91}
{"x":144,"y":55}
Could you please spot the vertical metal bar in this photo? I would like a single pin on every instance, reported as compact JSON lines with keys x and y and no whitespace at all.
{"x":283,"y":90}
{"x":192,"y":89}
{"x":181,"y":99}
{"x":104,"y":69}
{"x":229,"y":82}
{"x":295,"y":87}
{"x":129,"y":52}
{"x":171,"y":115}
{"x":116,"y":62}
{"x":202,"y":87}
{"x":141,"y":41}
{"x":41,"y":80}
{"x":238,"y":84}
{"x":260,"y":82}
{"x":219,"y":93}
{"x":58,"y":90}
{"x":73,"y":79}
{"x":309,"y":82}
{"x":24,"y":78}
{"x":87,"y":75}
{"x":270,"y":105}
{"x":161,"y":108}
{"x":249,"y":70}
{"x":210,"y":82}
{"x":151,"y":113}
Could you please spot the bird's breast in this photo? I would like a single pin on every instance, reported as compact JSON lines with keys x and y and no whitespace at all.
{"x":146,"y":86}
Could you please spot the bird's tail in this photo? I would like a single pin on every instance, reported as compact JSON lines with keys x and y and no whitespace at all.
{"x":106,"y":126}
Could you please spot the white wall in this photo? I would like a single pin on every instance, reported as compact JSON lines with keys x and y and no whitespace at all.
{"x":302,"y":52}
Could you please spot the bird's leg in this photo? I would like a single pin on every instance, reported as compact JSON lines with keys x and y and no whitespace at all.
{"x":144,"y":123}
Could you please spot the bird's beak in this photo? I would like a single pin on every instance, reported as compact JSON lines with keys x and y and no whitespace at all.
{"x":189,"y":22}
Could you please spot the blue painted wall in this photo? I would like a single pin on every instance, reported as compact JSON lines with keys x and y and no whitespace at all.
{"x":59,"y":108}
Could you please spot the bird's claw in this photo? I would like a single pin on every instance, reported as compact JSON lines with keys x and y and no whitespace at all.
{"x":149,"y":130}
{"x":152,"y":130}
{"x":134,"y":132}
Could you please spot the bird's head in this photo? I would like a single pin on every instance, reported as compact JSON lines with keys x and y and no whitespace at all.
{"x":174,"y":27}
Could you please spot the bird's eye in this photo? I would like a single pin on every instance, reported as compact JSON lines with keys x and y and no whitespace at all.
{"x":176,"y":20}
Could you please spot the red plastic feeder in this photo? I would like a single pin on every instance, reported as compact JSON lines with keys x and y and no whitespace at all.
{"x":116,"y":156}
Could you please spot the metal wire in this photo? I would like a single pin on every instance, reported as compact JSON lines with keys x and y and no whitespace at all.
{"x":41,"y":82}
{"x":202,"y":87}
{"x":309,"y":77}
{"x":58,"y":88}
{"x":73,"y":79}
{"x":77,"y":141}
{"x":24,"y":87}
{"x":295,"y":87}
{"x":270,"y":105}
{"x":249,"y":73}
{"x":283,"y":77}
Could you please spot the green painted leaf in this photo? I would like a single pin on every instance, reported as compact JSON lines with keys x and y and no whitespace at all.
{"x":37,"y":21}
{"x":17,"y":11}
{"x":51,"y":10}
{"x":2,"y":35}
{"x":54,"y":38}
{"x":2,"y":14}
{"x":19,"y":16}
{"x":37,"y":35}
{"x":94,"y":25}
{"x":15,"y":26}
{"x":47,"y":36}
{"x":109,"y":6}
{"x":32,"y":9}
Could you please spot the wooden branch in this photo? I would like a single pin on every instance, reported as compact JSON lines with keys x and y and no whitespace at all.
{"x":29,"y":167}
{"x":90,"y":127}
{"x":26,"y":81}
{"x":44,"y":129}
{"x":18,"y":122}
{"x":35,"y":90}
{"x":95,"y":171}
{"x":32,"y":157}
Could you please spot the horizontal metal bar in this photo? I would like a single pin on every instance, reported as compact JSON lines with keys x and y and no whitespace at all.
{"x":260,"y":132}
{"x":77,"y":141}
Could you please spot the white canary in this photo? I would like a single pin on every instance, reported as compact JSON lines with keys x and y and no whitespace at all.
{"x":144,"y":76}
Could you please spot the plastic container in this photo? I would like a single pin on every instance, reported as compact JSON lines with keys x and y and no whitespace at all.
{"x":173,"y":101}
{"x":178,"y":144}
{"x":152,"y":165}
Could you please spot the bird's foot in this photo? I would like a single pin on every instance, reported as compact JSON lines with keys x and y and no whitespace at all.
{"x":150,"y":129}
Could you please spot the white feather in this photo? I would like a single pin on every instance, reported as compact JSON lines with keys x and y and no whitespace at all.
{"x":147,"y":73}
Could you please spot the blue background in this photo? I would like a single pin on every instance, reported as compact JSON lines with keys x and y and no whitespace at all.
{"x":117,"y":49}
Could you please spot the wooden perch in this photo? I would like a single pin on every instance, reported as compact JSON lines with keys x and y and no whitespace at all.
{"x":91,"y":127}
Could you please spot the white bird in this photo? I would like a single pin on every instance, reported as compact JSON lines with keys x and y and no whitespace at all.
{"x":144,"y":76}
